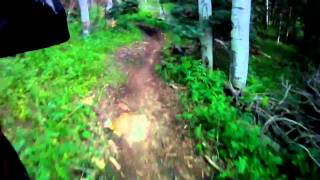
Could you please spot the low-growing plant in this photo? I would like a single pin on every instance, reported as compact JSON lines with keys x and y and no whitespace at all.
{"x":222,"y":132}
{"x":230,"y":137}
{"x":41,"y":100}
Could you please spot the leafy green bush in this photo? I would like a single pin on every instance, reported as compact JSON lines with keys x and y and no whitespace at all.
{"x":41,"y":100}
{"x":125,"y":7}
{"x":186,"y":18}
{"x":216,"y":124}
{"x":142,"y":17}
{"x":232,"y":136}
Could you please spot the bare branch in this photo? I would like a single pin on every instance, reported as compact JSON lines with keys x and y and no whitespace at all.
{"x":223,"y":45}
{"x":288,"y":88}
{"x":212,"y":163}
{"x":276,"y":118}
{"x":310,"y":155}
{"x":314,"y":107}
{"x":313,"y":88}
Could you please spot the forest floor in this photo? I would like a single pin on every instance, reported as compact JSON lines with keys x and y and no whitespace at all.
{"x":146,"y":141}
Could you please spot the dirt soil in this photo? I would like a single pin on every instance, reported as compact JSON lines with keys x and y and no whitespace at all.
{"x":147,"y":142}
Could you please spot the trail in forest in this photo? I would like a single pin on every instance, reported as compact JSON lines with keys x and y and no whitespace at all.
{"x":147,"y":142}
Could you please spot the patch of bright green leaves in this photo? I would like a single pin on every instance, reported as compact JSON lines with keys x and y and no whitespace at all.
{"x":215,"y":124}
{"x":41,"y":99}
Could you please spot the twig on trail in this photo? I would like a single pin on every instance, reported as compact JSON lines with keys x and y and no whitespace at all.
{"x":173,"y":86}
{"x":71,"y":113}
{"x":212,"y":163}
{"x":115,"y":163}
{"x":80,"y":105}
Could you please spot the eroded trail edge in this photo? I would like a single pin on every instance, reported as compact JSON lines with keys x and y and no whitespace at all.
{"x":147,"y":142}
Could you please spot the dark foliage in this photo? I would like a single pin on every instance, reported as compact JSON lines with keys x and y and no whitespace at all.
{"x":125,"y":7}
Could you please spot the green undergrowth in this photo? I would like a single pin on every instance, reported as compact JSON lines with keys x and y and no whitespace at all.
{"x":270,"y":69}
{"x":142,"y":17}
{"x":275,"y":63}
{"x":151,"y":6}
{"x":42,"y":106}
{"x":222,"y":132}
{"x":227,"y":135}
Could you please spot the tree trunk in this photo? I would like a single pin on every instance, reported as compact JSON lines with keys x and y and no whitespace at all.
{"x":162,"y":13}
{"x":274,"y":12}
{"x":289,"y":24}
{"x":84,"y":10}
{"x":205,"y":11}
{"x":240,"y":17}
{"x":279,"y":30}
{"x":109,"y":5}
{"x":267,"y":13}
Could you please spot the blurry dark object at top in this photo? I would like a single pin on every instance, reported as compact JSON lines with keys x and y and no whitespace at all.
{"x":30,"y":25}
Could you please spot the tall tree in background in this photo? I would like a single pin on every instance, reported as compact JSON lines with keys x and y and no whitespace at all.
{"x":267,"y":13}
{"x":240,"y":17}
{"x":162,"y":13}
{"x":205,"y":11}
{"x":84,"y":10}
{"x":109,"y":5}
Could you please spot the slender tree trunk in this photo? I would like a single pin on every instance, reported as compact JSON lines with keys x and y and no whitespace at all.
{"x":274,"y":12}
{"x":162,"y":13}
{"x":205,"y":11}
{"x":109,"y":5}
{"x":267,"y":13}
{"x":240,"y":17}
{"x":84,"y":10}
{"x":279,"y":30}
{"x":289,"y":24}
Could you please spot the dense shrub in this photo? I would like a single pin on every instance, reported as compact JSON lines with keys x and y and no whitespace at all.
{"x":232,"y":136}
{"x":222,"y":132}
{"x":125,"y":7}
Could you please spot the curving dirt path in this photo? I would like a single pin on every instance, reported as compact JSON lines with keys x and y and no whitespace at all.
{"x":147,"y":142}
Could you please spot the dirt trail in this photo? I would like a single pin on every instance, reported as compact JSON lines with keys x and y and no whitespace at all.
{"x":147,"y":142}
